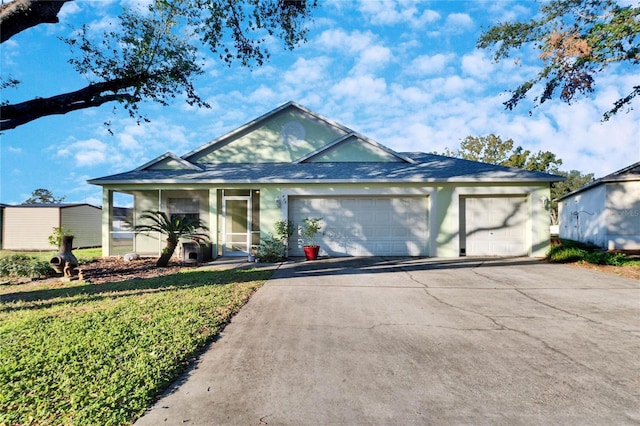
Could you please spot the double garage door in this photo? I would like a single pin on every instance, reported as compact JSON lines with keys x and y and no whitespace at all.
{"x":364,"y":226}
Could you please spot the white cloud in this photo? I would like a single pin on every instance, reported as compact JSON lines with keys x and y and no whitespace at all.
{"x":372,"y":58}
{"x":458,"y":22}
{"x":308,"y":71}
{"x":68,"y":10}
{"x":429,"y":64}
{"x":345,"y":42}
{"x":397,"y":12}
{"x":89,"y":152}
{"x":361,"y":89}
{"x":477,"y":65}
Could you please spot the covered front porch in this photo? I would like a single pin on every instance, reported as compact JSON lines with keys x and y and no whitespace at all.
{"x":233,"y":216}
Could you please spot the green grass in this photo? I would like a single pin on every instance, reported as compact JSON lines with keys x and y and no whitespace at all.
{"x":573,"y":251}
{"x":86,"y":354}
{"x":80,"y":254}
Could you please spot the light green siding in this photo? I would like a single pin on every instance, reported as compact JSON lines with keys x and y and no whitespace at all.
{"x":167,"y":164}
{"x":353,"y":150}
{"x":284,"y":137}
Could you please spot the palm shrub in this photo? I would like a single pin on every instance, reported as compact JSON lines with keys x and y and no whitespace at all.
{"x":173,"y":228}
{"x":273,"y":248}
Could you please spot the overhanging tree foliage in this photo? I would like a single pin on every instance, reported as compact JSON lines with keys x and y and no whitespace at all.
{"x":576,"y":40}
{"x":493,"y":150}
{"x":153,"y":54}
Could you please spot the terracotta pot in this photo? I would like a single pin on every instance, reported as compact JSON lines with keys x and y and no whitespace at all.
{"x":311,"y":252}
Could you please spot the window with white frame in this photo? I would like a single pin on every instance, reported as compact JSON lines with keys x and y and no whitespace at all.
{"x":184,"y":207}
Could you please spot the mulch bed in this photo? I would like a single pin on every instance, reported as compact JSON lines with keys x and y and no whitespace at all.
{"x":112,"y":269}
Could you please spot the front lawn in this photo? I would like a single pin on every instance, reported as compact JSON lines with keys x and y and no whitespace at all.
{"x":78,"y":353}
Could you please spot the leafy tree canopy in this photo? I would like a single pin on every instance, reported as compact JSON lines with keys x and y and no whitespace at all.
{"x":43,"y":196}
{"x":576,"y":40}
{"x":493,"y":150}
{"x":153,"y":53}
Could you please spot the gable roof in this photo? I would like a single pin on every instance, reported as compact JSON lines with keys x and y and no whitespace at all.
{"x":375,"y":149}
{"x":168,"y":161}
{"x":292,"y":144}
{"x":627,"y":174}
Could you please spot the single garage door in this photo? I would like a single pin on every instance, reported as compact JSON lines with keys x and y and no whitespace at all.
{"x":364,"y":226}
{"x":495,"y":226}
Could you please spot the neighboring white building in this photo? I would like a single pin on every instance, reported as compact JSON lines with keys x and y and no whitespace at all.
{"x":28,"y":226}
{"x":606,"y":212}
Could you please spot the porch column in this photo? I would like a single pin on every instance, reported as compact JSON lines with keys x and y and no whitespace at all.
{"x":107,"y":220}
{"x":213,"y":221}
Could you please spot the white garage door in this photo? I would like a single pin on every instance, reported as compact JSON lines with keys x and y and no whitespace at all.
{"x":364,"y":226}
{"x":496,"y":226}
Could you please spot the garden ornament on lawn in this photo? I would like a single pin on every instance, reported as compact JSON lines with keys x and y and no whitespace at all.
{"x":65,"y":262}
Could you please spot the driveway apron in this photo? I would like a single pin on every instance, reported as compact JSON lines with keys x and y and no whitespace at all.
{"x":421,"y":341}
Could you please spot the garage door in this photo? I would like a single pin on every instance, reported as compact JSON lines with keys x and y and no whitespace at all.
{"x":495,"y":226}
{"x":364,"y":226}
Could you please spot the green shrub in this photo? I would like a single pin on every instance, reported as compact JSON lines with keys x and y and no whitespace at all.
{"x":573,"y":251}
{"x":272,"y":250}
{"x":562,"y":254}
{"x":20,"y":265}
{"x":601,"y":258}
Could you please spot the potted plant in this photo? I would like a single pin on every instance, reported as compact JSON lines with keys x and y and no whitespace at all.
{"x":310,"y":227}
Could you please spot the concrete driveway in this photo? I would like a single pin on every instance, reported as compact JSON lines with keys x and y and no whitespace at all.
{"x":421,"y":341}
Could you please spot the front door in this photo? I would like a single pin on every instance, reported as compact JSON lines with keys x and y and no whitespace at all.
{"x":236,"y":219}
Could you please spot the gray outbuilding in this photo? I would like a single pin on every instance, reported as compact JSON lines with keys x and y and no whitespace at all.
{"x":28,"y":226}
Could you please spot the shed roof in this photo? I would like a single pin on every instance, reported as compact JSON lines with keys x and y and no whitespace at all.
{"x":51,"y":205}
{"x":628,"y":174}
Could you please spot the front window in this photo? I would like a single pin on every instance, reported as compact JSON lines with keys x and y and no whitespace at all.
{"x":184,"y":207}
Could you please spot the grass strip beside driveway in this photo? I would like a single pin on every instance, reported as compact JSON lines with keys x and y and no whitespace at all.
{"x":78,"y":353}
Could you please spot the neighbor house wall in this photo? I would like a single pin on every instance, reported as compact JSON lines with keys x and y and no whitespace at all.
{"x":622,"y":215}
{"x":582,"y":217}
{"x":29,"y":228}
{"x":85,"y":225}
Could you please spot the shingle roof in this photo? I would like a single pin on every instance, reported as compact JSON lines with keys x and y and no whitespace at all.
{"x":427,"y":168}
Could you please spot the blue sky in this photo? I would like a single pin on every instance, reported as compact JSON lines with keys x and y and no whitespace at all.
{"x":404,"y":73}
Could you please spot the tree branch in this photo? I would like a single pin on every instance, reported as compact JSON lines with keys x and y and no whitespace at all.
{"x":12,"y":116}
{"x":20,"y":15}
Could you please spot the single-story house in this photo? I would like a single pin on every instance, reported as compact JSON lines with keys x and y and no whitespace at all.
{"x":605,"y":212}
{"x":28,"y":226}
{"x":292,"y":163}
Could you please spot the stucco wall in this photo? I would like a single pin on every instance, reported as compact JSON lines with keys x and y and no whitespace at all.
{"x":444,"y":208}
{"x":623,"y":215}
{"x":607,"y":215}
{"x":582,"y":217}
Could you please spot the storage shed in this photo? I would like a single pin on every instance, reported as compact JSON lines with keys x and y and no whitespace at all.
{"x":606,"y":212}
{"x":28,"y":226}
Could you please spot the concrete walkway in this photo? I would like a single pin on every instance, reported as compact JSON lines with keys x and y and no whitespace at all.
{"x":421,"y":341}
